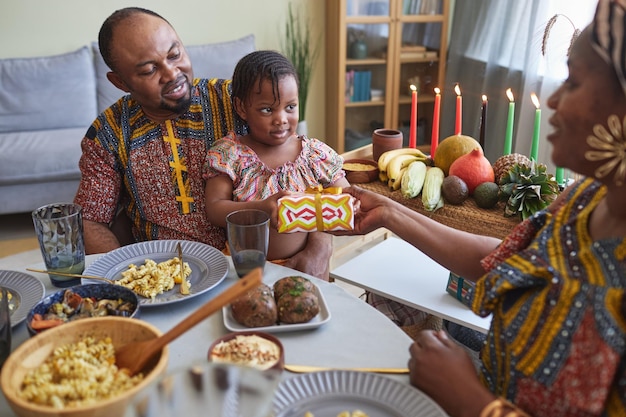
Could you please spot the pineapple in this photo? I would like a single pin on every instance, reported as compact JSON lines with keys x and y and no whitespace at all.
{"x":527,"y":189}
{"x":506,"y":162}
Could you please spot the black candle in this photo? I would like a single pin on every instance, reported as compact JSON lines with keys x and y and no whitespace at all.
{"x":483,"y":122}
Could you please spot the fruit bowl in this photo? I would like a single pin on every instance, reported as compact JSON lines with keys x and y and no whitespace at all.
{"x":360,"y":171}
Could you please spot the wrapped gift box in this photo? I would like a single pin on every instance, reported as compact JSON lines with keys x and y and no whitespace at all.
{"x":459,"y":288}
{"x":316,"y":210}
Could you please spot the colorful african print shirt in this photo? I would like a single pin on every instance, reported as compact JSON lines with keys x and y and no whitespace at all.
{"x":253,"y":180}
{"x":557,"y":341}
{"x":155,"y":169}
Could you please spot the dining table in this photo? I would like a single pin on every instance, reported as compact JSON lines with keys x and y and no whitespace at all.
{"x":355,"y":334}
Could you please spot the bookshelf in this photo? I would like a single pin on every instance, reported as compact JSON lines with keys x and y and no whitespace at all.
{"x":396,"y":43}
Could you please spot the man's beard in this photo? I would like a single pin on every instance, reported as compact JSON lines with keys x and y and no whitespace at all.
{"x":182,"y":105}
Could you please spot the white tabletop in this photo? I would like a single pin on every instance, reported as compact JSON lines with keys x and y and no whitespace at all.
{"x":399,"y":271}
{"x":356,"y":335}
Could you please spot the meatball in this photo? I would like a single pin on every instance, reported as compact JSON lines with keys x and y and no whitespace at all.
{"x":297,"y":307}
{"x":289,"y":284}
{"x":256,"y":308}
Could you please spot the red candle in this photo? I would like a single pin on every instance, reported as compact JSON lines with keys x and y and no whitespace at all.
{"x":413,"y":127}
{"x":434,"y":140}
{"x":459,"y":110}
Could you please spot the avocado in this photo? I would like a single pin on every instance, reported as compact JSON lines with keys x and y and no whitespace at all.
{"x":454,"y":190}
{"x":487,"y":195}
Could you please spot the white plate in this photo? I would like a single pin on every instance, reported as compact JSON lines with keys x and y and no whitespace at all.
{"x":328,"y":393}
{"x":27,"y":291}
{"x":208,"y":266}
{"x":322,"y":317}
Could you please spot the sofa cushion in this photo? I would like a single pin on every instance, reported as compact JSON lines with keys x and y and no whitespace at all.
{"x":51,"y":92}
{"x":211,"y":60}
{"x":40,"y":156}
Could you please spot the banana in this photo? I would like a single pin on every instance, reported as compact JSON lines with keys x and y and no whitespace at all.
{"x":384,"y":159}
{"x":399,"y":162}
{"x":383,"y":176}
{"x":396,"y":183}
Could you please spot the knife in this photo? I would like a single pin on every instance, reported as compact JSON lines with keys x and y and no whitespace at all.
{"x":305,"y":368}
{"x":184,"y":285}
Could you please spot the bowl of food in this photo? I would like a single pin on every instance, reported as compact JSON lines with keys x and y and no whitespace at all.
{"x":31,"y":376}
{"x":259,"y":350}
{"x":360,"y":170}
{"x":80,"y":302}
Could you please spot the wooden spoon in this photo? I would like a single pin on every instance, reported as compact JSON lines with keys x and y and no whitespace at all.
{"x":134,"y":356}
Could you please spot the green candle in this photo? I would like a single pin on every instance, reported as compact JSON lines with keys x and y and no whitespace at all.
{"x":534,"y":149}
{"x":508,"y":138}
{"x":559,"y":175}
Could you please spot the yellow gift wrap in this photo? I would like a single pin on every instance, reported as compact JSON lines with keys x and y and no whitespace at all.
{"x":317,"y":209}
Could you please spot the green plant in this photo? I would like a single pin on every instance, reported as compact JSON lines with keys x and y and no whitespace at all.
{"x":527,"y":189}
{"x":302,"y":51}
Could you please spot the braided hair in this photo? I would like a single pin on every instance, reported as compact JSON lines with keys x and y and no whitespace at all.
{"x":258,"y":66}
{"x":105,"y":36}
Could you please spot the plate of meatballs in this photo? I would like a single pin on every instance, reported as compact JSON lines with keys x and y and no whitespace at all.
{"x":289,"y":304}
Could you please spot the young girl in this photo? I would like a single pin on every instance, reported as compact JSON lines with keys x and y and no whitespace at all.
{"x":271,"y":161}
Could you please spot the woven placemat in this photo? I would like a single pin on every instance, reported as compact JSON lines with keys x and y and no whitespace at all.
{"x":467,"y":216}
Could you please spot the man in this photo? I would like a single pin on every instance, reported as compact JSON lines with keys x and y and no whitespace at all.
{"x":143,"y":156}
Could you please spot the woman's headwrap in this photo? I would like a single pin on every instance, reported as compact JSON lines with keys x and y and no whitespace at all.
{"x":607,"y":35}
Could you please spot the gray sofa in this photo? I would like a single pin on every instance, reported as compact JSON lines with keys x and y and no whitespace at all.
{"x":47,"y":104}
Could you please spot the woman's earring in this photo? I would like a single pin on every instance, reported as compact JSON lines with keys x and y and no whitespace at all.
{"x":611,"y":145}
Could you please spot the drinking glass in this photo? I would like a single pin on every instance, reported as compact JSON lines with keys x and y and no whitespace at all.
{"x":248,"y":239}
{"x":59,"y":228}
{"x":5,"y":326}
{"x":208,"y":389}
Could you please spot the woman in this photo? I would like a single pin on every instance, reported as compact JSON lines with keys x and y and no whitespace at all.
{"x":555,"y":286}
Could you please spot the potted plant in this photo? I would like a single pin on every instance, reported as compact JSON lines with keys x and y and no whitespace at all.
{"x":302,"y":51}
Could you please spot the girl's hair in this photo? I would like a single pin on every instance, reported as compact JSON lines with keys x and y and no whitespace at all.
{"x":258,"y":66}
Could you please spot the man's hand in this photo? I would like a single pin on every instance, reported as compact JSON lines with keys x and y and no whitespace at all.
{"x":314,"y":259}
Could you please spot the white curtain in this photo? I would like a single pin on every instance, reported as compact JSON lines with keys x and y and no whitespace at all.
{"x":497,"y":44}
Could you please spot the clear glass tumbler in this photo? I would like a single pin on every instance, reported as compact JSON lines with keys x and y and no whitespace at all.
{"x":248,"y":239}
{"x":59,"y":228}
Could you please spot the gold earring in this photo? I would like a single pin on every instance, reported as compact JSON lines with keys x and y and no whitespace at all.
{"x":611,"y":145}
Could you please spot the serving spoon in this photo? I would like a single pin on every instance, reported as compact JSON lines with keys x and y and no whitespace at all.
{"x":135,"y":355}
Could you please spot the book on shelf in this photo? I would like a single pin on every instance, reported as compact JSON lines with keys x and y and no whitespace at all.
{"x":358,"y":86}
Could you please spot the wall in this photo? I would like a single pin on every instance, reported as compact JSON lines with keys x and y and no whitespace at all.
{"x":49,"y":27}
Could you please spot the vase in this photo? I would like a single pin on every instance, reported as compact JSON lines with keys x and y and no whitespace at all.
{"x":358,"y":50}
{"x":384,"y":140}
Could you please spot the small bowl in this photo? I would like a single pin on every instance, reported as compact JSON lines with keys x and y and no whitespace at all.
{"x":360,"y":170}
{"x":34,"y":351}
{"x":97,"y":291}
{"x":278,"y":366}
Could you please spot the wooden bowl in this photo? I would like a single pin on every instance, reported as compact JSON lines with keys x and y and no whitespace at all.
{"x":360,"y":170}
{"x":34,"y":351}
{"x":277,"y":366}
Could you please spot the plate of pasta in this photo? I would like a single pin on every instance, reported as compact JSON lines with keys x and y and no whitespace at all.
{"x":152,"y":270}
{"x":351,"y":394}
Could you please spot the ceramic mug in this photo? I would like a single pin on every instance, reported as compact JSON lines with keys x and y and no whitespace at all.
{"x":384,"y":140}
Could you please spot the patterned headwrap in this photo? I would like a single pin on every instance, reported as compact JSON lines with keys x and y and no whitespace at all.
{"x":607,"y":35}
